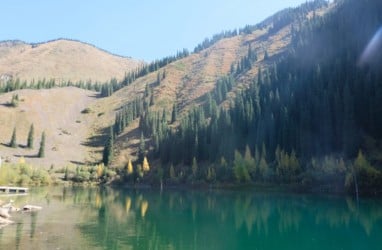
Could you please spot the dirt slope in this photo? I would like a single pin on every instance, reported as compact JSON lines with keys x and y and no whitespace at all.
{"x":55,"y":111}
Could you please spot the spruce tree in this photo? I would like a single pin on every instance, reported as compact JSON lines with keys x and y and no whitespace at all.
{"x":13,"y":142}
{"x":194,"y":167}
{"x":266,"y":56}
{"x":108,"y":153}
{"x":172,"y":172}
{"x":30,"y":137}
{"x":141,"y":149}
{"x":174,"y":114}
{"x":151,"y":99}
{"x":41,"y":151}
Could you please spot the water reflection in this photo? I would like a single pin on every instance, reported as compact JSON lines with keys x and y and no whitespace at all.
{"x":33,"y":224}
{"x":195,"y":220}
{"x":19,"y":228}
{"x":105,"y":218}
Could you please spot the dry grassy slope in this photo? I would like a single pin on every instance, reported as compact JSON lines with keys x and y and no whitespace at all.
{"x":55,"y":111}
{"x":190,"y":78}
{"x":62,"y":60}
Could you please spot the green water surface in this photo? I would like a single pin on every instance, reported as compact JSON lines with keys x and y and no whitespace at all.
{"x":105,"y":218}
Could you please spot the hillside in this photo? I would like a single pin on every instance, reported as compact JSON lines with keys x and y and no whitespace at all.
{"x":75,"y":137}
{"x":187,"y":81}
{"x":310,"y":117}
{"x":62,"y":60}
{"x":55,"y":111}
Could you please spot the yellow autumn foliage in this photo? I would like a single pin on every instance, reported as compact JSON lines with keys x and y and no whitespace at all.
{"x":146,"y":166}
{"x":128,"y":204}
{"x":100,"y":169}
{"x":98,"y":200}
{"x":144,"y":207}
{"x":22,"y":160}
{"x":129,"y":167}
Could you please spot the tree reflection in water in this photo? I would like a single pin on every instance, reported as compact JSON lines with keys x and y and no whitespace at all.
{"x":144,"y":219}
{"x":106,"y":218}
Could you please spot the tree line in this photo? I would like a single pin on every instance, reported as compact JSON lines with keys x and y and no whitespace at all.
{"x":143,"y":70}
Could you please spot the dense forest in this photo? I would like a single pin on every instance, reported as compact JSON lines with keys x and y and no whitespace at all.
{"x":314,"y":118}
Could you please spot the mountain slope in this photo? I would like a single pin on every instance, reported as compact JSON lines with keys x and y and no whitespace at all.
{"x":184,"y":83}
{"x":55,"y":111}
{"x":312,"y":119}
{"x":189,"y":80}
{"x":62,"y":60}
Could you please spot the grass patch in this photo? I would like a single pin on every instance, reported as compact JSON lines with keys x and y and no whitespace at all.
{"x":180,"y":66}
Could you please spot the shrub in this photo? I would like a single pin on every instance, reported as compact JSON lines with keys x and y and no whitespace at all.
{"x":86,"y":111}
{"x":24,"y":175}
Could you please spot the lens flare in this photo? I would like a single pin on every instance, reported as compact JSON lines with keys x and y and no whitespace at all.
{"x":372,"y":49}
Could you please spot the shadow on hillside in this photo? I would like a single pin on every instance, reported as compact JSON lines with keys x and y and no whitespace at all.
{"x":23,"y":146}
{"x":5,"y":144}
{"x":130,"y":139}
{"x":27,"y":156}
{"x":77,"y":162}
{"x":8,"y":105}
{"x":98,"y":140}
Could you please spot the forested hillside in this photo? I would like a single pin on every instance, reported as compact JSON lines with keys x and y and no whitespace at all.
{"x":168,"y":89}
{"x":314,"y":117}
{"x":294,"y":100}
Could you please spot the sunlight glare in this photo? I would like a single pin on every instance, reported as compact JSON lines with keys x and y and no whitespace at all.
{"x":372,"y":49}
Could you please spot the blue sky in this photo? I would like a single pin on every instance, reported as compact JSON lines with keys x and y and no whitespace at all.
{"x":143,"y":29}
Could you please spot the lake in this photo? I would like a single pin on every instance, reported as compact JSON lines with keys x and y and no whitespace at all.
{"x":106,"y":218}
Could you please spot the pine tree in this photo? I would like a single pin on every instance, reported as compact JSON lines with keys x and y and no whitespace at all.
{"x":41,"y":151}
{"x":172,"y":172}
{"x":66,"y":175}
{"x":13,"y":142}
{"x":141,"y":149}
{"x":194,"y":167}
{"x":152,"y":99}
{"x":30,"y":137}
{"x":147,"y":90}
{"x":158,"y":79}
{"x":108,"y":153}
{"x":266,"y":56}
{"x":174,"y":114}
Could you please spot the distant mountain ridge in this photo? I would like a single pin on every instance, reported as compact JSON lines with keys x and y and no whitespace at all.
{"x":62,"y":60}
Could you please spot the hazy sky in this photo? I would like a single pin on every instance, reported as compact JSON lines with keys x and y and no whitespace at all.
{"x":144,"y":29}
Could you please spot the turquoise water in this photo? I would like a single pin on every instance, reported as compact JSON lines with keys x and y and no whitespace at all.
{"x":94,"y":218}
